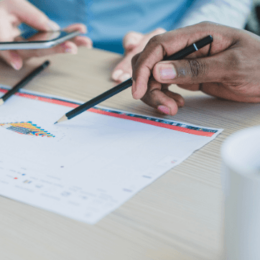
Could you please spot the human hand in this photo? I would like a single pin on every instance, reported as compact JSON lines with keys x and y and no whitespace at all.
{"x":133,"y":43}
{"x":15,"y":12}
{"x":228,"y":68}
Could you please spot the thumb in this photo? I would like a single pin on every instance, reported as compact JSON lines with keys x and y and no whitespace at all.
{"x":191,"y":71}
{"x":32,"y":16}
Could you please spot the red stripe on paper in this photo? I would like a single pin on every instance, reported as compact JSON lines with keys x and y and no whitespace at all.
{"x":122,"y":116}
{"x":145,"y":121}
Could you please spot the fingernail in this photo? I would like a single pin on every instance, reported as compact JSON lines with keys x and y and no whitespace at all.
{"x":167,"y":71}
{"x":125,"y":77}
{"x":16,"y":65}
{"x":131,"y":41}
{"x":164,"y":109}
{"x":16,"y":61}
{"x":53,"y":26}
{"x":89,"y":47}
{"x":70,"y":50}
{"x":117,"y":74}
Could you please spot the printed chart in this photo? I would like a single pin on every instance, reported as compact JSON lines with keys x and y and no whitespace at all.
{"x":86,"y":167}
{"x":26,"y":128}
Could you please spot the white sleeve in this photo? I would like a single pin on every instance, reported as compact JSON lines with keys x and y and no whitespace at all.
{"x":227,"y":12}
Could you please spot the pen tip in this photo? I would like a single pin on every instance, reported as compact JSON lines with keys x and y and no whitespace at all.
{"x":1,"y":101}
{"x":64,"y":118}
{"x":56,"y":123}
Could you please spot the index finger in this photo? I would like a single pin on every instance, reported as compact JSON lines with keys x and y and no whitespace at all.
{"x":32,"y":16}
{"x":76,"y":27}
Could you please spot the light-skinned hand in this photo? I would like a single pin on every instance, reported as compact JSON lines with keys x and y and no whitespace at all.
{"x":133,"y":42}
{"x":228,"y":68}
{"x":15,"y":12}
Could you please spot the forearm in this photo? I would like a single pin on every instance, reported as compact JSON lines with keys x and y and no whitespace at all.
{"x":227,"y":12}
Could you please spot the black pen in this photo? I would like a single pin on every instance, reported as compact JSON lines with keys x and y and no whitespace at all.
{"x":23,"y":82}
{"x":128,"y":83}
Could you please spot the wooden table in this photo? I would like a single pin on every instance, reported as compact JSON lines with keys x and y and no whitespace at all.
{"x":179,"y":216}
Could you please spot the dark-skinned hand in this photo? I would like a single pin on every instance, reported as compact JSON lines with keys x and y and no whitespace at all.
{"x":229,"y":68}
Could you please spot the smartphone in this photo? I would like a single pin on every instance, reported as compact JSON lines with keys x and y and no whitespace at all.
{"x":38,"y":40}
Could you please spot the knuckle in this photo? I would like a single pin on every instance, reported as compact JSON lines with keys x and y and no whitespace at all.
{"x":197,"y":68}
{"x":154,"y":41}
{"x":134,"y":59}
{"x":155,"y":45}
{"x":234,"y":66}
{"x":159,"y":31}
{"x":233,"y":59}
{"x":206,"y":24}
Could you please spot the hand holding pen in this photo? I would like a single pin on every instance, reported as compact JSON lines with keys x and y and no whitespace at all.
{"x":228,"y":68}
{"x":194,"y":47}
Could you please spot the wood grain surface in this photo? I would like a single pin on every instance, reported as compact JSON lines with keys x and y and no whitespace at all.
{"x":179,"y":216}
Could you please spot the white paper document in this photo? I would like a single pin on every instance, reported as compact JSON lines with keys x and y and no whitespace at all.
{"x":86,"y":167}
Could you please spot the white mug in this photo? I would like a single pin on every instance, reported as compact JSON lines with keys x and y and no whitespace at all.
{"x":241,"y":172}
